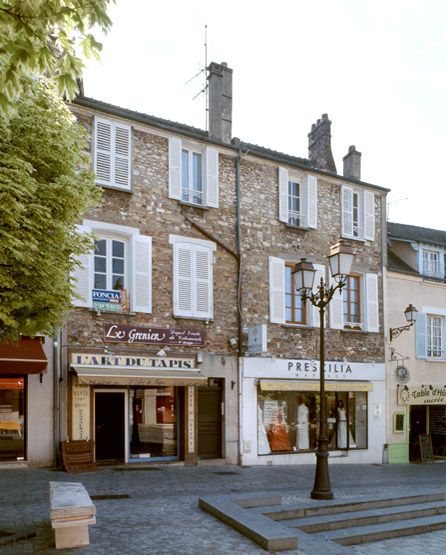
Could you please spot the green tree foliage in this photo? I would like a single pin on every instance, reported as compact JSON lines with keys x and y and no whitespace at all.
{"x":46,"y":37}
{"x":45,"y":188}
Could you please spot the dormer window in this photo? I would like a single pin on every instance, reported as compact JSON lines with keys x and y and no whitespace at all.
{"x":432,"y":263}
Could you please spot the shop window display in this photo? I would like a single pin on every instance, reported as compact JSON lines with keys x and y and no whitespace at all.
{"x":12,"y":418}
{"x":288,"y":421}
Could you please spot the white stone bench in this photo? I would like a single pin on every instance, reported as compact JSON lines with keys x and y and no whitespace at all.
{"x":72,"y":511}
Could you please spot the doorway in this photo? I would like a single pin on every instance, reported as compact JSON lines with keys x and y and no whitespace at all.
{"x":418,"y":425}
{"x":109,"y":425}
{"x":210,"y":416}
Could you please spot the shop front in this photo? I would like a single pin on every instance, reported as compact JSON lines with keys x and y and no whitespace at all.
{"x":21,"y":368}
{"x":136,"y":407}
{"x":425,"y":408}
{"x":281,"y":409}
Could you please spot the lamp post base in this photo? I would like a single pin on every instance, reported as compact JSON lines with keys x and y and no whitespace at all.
{"x":322,"y":487}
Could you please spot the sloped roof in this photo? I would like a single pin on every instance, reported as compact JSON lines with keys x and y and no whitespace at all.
{"x":396,"y":264}
{"x":416,"y":234}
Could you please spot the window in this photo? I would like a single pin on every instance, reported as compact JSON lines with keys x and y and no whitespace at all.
{"x":121,"y":259}
{"x":356,"y":305}
{"x":112,"y":143}
{"x":193,"y":173}
{"x":297,"y":200}
{"x":285,"y":304}
{"x":434,"y":336}
{"x":296,"y":312}
{"x":351,"y":301}
{"x":432,"y":263}
{"x":192,"y":277}
{"x":191,"y":177}
{"x":12,"y":418}
{"x":358,"y":214}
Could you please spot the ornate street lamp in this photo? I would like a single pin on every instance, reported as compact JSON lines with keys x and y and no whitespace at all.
{"x":340,"y":260}
{"x":411,"y":316}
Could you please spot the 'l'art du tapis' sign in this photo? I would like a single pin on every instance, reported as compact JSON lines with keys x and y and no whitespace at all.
{"x":110,"y":301}
{"x":122,"y":333}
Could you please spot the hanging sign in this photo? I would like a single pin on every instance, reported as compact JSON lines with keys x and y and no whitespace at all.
{"x":422,"y":395}
{"x":110,"y":301}
{"x":122,"y":333}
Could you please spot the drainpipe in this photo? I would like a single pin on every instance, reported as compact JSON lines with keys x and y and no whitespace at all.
{"x":56,"y":398}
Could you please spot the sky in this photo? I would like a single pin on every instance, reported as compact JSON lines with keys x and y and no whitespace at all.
{"x":376,"y":67}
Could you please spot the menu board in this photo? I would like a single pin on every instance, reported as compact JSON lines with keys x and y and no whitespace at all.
{"x":425,"y":448}
{"x":78,"y":456}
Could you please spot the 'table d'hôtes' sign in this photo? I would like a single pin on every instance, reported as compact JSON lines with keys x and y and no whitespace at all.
{"x":122,"y":333}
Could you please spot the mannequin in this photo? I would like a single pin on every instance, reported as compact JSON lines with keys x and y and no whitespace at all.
{"x":302,"y":438}
{"x":342,"y":425}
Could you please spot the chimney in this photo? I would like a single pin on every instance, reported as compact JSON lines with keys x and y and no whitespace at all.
{"x":319,"y":145}
{"x":352,"y":163}
{"x":220,"y":102}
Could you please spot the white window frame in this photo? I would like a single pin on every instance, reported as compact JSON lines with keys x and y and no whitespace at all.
{"x":119,"y":159}
{"x":194,"y":246}
{"x":109,"y":238}
{"x":138,"y":265}
{"x":434,"y":336}
{"x":361,"y":227}
{"x":209,"y":172}
{"x":188,"y":193}
{"x":427,"y":254}
{"x":307,"y":199}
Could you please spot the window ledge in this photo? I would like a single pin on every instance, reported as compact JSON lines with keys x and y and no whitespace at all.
{"x":192,"y":205}
{"x":300,"y":228}
{"x":115,"y":188}
{"x":351,"y":330}
{"x":109,"y":313}
{"x":299,"y":326}
{"x":358,"y":239}
{"x":198,"y":318}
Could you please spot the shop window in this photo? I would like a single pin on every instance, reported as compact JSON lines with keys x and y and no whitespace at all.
{"x":12,"y":418}
{"x":288,"y":422}
{"x":153,"y":423}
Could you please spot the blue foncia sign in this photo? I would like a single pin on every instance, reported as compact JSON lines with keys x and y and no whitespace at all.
{"x":109,"y":301}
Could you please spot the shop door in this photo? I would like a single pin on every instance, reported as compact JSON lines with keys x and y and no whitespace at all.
{"x":109,"y":425}
{"x":210,"y":420}
{"x":417,"y":427}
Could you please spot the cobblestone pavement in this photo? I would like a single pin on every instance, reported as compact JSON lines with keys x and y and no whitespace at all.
{"x":161,"y":514}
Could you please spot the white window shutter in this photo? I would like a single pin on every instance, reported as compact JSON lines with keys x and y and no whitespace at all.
{"x":420,"y":336}
{"x":174,"y":168}
{"x":103,"y":154}
{"x":320,"y":273}
{"x":277,"y":290}
{"x":122,"y":156}
{"x":83,"y":276}
{"x":283,"y":195}
{"x":311,"y":192}
{"x":347,"y":211}
{"x":371,"y":302}
{"x":211,"y":157}
{"x":183,"y":279}
{"x":369,"y":216}
{"x":141,"y":293}
{"x":203,"y":283}
{"x":335,"y":308}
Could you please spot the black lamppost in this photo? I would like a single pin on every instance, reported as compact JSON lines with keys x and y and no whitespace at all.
{"x":340,"y":260}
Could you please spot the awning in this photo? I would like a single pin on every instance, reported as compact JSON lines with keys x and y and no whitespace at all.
{"x":24,"y":357}
{"x":142,"y":377}
{"x":294,"y":385}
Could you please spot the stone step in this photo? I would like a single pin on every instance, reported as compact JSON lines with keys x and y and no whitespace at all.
{"x":362,"y":518}
{"x":377,"y":532}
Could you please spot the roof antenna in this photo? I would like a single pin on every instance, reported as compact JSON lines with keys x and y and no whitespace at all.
{"x":204,"y":71}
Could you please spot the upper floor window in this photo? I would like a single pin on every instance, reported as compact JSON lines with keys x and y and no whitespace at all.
{"x":434,"y":336}
{"x":352,"y":301}
{"x":430,"y":328}
{"x":191,"y":177}
{"x":358,"y":214}
{"x":297,"y":200}
{"x":193,"y":173}
{"x":296,"y":312}
{"x":192,"y":277}
{"x":431,"y":263}
{"x":356,"y":305}
{"x":111,"y":153}
{"x":121,"y":260}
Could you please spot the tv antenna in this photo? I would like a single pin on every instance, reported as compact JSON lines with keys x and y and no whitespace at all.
{"x":203,"y":71}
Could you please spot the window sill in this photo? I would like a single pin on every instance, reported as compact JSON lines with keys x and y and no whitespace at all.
{"x":192,"y":205}
{"x":358,"y":239}
{"x":351,"y":330}
{"x":115,"y":188}
{"x":198,"y":318}
{"x":110,"y":313}
{"x":299,"y":326}
{"x":297,"y":227}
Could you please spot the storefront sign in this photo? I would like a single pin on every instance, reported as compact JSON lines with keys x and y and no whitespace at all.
{"x":129,"y":361}
{"x":422,"y":395}
{"x":121,"y":333}
{"x":80,"y":412}
{"x":281,"y":368}
{"x":110,"y":301}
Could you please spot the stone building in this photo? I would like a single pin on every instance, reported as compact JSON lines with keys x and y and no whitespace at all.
{"x":416,"y":391}
{"x":188,"y":341}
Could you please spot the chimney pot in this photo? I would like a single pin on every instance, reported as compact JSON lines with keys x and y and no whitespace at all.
{"x":319,"y":145}
{"x":352,"y":163}
{"x":220,"y":101}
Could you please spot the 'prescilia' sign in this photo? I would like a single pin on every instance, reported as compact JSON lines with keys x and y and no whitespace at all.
{"x":130,"y":361}
{"x":422,"y":395}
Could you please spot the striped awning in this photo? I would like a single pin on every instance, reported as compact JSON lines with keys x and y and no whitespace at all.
{"x":295,"y":385}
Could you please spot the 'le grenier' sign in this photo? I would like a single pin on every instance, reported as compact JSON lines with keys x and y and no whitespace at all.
{"x":122,"y":333}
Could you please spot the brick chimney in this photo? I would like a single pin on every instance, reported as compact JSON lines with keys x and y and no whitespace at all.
{"x":220,"y":101}
{"x":352,"y":163}
{"x":319,"y":145}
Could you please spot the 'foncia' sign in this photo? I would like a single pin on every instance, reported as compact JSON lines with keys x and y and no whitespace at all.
{"x":130,"y":361}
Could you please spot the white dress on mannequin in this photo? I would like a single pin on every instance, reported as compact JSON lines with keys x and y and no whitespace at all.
{"x":302,"y":439}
